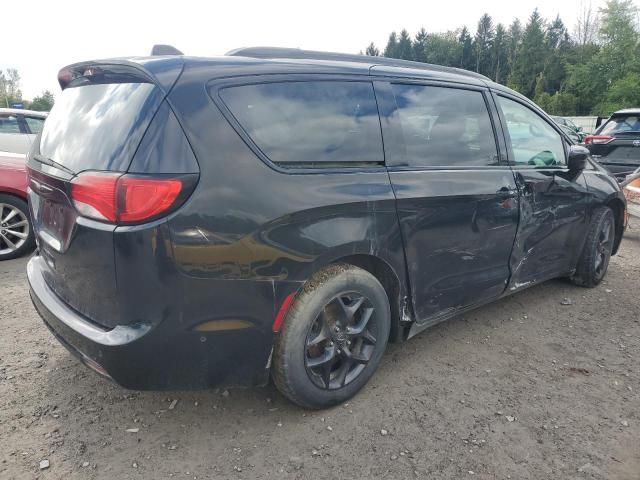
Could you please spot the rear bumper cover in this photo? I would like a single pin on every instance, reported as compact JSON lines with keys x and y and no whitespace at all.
{"x":162,"y":357}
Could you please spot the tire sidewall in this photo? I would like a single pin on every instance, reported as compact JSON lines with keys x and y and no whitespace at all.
{"x":607,"y":215}
{"x":291,"y":342}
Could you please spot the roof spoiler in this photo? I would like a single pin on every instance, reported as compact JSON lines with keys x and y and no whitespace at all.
{"x":160,"y":49}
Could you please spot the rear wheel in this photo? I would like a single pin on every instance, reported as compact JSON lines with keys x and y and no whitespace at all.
{"x":16,"y":234}
{"x":594,"y":261}
{"x":333,"y":337}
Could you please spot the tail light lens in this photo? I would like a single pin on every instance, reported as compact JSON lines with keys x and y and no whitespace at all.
{"x":118,"y":198}
{"x":598,"y":139}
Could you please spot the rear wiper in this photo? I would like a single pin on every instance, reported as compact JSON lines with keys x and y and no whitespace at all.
{"x":53,"y":163}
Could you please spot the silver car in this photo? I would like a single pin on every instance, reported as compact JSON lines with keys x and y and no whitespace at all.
{"x":18,"y":129}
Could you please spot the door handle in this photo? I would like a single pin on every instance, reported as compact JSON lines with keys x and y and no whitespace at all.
{"x":506,"y":192}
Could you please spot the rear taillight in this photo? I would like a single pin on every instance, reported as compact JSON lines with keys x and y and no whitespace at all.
{"x":598,"y":139}
{"x":118,"y":198}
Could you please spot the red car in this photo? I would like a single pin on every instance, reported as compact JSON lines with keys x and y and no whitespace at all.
{"x":16,"y":234}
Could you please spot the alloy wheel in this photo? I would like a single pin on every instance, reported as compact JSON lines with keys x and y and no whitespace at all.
{"x":341,"y":341}
{"x":14,"y":228}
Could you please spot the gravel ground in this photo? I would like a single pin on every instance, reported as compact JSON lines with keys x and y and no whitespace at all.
{"x":524,"y":388}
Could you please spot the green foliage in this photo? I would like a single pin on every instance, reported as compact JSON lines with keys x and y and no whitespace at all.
{"x":566,"y":76}
{"x":444,"y":49}
{"x":625,"y":92}
{"x":9,"y":87}
{"x":42,"y":103}
{"x":557,"y":104}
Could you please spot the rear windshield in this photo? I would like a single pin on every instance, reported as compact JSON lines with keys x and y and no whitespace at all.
{"x":98,"y":127}
{"x":622,"y":124}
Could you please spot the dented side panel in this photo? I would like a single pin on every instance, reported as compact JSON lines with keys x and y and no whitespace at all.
{"x":553,"y":222}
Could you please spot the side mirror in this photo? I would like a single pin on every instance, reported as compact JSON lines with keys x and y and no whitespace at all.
{"x":577,"y":158}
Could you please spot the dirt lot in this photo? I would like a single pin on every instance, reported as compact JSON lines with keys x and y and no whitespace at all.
{"x":524,"y":388}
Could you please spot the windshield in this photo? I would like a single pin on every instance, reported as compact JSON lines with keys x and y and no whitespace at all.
{"x":98,"y":127}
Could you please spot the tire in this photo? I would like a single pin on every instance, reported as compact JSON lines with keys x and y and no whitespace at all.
{"x":596,"y":253}
{"x":322,"y":325}
{"x":16,"y":231}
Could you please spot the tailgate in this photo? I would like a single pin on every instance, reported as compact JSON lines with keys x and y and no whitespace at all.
{"x":96,"y":124}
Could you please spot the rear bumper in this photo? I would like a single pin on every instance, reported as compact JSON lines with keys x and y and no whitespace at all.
{"x":162,"y":357}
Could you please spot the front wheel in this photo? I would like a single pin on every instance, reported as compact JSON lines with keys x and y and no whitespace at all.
{"x":594,"y":260}
{"x":333,"y":337}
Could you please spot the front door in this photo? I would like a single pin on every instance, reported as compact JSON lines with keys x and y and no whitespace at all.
{"x":553,"y":200}
{"x":456,"y":199}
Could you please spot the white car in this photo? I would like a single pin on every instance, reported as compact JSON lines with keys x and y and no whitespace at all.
{"x":18,"y":129}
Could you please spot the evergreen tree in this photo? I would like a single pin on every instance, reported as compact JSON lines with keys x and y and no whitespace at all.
{"x":530,"y":59}
{"x":391,"y":50}
{"x":405,"y":48}
{"x":372,"y":50}
{"x":557,"y":43}
{"x":420,"y":46}
{"x":514,"y":40}
{"x":467,"y":60}
{"x":499,"y":57}
{"x":483,"y":40}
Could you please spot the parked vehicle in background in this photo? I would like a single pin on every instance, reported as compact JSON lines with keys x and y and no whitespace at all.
{"x":573,"y":130}
{"x":16,"y":234}
{"x":575,"y":137}
{"x":616,"y":144}
{"x":18,"y":129}
{"x":631,"y":189}
{"x":216,"y":221}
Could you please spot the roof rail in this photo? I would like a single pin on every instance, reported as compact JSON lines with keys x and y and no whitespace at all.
{"x":296,"y":53}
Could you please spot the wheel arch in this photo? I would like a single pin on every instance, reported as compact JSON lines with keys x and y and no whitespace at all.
{"x":396,"y":290}
{"x":14,"y":193}
{"x":618,"y":208}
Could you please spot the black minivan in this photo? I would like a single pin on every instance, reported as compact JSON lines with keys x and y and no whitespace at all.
{"x":286,"y":213}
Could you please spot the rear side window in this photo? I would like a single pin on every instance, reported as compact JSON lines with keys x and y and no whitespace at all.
{"x":621,"y":124}
{"x":445,"y":126}
{"x":99,"y":126}
{"x":310,"y":124}
{"x":9,"y":124}
{"x":34,"y":124}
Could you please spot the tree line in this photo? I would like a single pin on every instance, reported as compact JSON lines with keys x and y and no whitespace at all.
{"x":11,"y":94}
{"x":593,"y":70}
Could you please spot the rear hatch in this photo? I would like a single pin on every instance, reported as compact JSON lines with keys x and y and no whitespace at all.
{"x":76,"y":170}
{"x":616,"y":145}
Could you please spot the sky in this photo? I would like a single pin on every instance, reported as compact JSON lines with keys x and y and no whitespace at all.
{"x":54,"y":34}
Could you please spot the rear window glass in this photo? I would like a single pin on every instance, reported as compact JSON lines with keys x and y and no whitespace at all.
{"x":445,"y":126}
{"x":312,"y":123}
{"x":622,"y":124}
{"x":98,"y":127}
